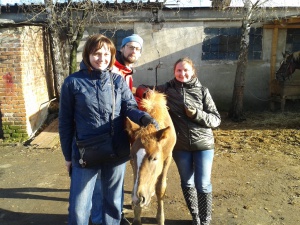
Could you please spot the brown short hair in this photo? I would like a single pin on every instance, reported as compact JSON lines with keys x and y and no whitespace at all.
{"x":94,"y":43}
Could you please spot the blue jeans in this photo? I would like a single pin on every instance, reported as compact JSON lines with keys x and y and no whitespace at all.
{"x":96,"y":212}
{"x":81,"y":191}
{"x":194,"y":168}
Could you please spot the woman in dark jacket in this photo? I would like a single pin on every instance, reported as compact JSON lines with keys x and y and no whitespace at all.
{"x":85,"y":111}
{"x":194,"y":114}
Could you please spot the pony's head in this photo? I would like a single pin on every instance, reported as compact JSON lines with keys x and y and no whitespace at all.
{"x":147,"y":159}
{"x":288,"y":65}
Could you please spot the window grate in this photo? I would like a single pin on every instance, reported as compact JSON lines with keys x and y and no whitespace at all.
{"x":224,"y":44}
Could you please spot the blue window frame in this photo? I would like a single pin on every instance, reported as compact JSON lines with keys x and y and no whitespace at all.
{"x":224,"y":44}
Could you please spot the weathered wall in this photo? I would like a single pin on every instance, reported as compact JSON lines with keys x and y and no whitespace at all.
{"x":24,"y":90}
{"x":165,"y":43}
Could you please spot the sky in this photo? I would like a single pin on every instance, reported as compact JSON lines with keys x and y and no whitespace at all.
{"x":181,"y":3}
{"x":207,"y":3}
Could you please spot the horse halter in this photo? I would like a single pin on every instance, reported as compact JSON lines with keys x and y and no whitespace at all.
{"x":287,"y":72}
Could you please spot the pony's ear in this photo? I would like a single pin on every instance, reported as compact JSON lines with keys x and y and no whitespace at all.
{"x":286,"y":53}
{"x":163,"y":133}
{"x":131,"y":127}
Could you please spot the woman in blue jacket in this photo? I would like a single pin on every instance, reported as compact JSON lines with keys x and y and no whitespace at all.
{"x":85,"y":112}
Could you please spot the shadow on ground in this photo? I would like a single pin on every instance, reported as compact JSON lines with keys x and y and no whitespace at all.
{"x":17,"y":218}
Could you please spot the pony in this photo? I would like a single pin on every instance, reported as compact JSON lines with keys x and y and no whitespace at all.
{"x":290,"y":62}
{"x":151,"y":155}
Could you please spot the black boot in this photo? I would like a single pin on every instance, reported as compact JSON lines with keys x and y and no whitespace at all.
{"x":205,"y":207}
{"x":190,"y":196}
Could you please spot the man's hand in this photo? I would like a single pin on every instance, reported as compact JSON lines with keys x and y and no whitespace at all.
{"x":148,"y":93}
{"x":133,"y":90}
{"x":142,"y":91}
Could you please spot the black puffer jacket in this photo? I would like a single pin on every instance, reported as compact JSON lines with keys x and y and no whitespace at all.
{"x":192,"y":134}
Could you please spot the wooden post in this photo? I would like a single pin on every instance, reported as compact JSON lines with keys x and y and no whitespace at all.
{"x":273,"y":56}
{"x":272,"y":82}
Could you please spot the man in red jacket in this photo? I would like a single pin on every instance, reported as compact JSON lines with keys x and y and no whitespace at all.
{"x":130,"y":52}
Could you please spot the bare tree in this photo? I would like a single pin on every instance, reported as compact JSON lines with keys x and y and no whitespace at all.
{"x":253,"y":12}
{"x":236,"y":109}
{"x":57,"y":45}
{"x":66,"y":23}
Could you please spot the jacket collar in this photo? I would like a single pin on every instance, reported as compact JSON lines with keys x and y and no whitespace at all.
{"x":194,"y":82}
{"x":95,"y":72}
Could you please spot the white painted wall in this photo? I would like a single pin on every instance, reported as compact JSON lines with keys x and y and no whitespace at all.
{"x":163,"y":47}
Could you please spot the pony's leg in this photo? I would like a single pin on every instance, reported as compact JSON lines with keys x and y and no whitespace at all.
{"x":137,"y":215}
{"x":161,"y":190}
{"x":137,"y":210}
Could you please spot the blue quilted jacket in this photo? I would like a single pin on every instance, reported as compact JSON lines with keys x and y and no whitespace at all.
{"x":86,"y":107}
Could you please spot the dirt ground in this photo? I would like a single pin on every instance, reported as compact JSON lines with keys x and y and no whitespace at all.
{"x":256,"y":178}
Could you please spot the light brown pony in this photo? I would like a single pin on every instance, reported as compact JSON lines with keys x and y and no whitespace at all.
{"x":151,"y":153}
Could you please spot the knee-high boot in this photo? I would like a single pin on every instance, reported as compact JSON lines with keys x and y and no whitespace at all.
{"x":205,"y":207}
{"x":190,"y":196}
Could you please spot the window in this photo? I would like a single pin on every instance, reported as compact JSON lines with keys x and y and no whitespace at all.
{"x":116,"y":36}
{"x":224,"y":44}
{"x":292,"y":40}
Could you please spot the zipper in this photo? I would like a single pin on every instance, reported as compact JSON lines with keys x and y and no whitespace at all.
{"x":187,"y":122}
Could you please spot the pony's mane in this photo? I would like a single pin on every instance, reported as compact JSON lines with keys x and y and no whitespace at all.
{"x":156,"y":105}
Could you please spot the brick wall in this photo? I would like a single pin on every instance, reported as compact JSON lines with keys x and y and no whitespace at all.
{"x":24,"y":97}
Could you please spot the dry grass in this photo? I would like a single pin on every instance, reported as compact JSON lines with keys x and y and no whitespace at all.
{"x":261,"y":132}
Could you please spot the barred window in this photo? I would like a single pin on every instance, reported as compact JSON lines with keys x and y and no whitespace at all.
{"x":117,"y":36}
{"x":224,"y":44}
{"x":292,"y":40}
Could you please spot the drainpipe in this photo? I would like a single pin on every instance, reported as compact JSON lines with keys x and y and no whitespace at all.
{"x":156,"y":75}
